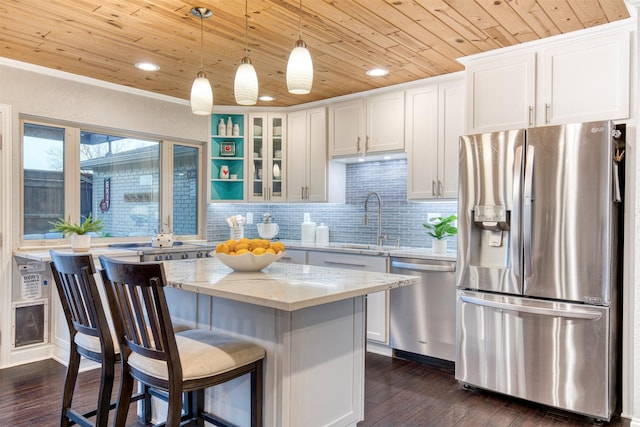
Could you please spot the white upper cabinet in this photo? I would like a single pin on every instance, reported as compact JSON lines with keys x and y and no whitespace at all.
{"x":385,"y":122}
{"x":501,"y":93}
{"x":307,"y":145}
{"x":347,"y":128}
{"x":573,"y":79}
{"x":434,"y":124}
{"x":371,"y":125}
{"x":584,"y":81}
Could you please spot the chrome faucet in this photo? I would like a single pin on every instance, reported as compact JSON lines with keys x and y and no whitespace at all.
{"x":366,"y":215}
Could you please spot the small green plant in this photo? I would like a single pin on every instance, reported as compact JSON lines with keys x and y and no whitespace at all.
{"x":88,"y":225}
{"x":439,"y":227}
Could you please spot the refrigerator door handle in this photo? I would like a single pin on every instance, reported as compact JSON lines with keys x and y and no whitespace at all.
{"x":516,"y":231}
{"x":571,"y":314}
{"x":527,"y":212}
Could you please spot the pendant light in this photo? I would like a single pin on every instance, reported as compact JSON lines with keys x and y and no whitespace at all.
{"x":201,"y":93}
{"x":300,"y":66}
{"x":245,"y":85}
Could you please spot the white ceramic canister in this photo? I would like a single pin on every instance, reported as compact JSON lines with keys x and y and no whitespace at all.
{"x":322,"y":235}
{"x":308,"y":231}
{"x":222,"y":128}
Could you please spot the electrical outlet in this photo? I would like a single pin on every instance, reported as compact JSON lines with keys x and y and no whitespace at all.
{"x":249,"y":218}
{"x":430,"y":216}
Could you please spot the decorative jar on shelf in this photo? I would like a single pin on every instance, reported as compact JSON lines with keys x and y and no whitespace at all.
{"x":222,"y":128}
{"x":229,"y":127}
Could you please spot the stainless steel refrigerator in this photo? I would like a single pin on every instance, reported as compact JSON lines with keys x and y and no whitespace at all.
{"x":537,"y":289}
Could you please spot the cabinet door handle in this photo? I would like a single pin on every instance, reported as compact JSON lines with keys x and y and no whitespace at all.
{"x":306,"y":196}
{"x":358,"y":145}
{"x":547,"y":113}
{"x":530,"y":115}
{"x":440,"y":189}
{"x":366,"y":145}
{"x":302,"y":193}
{"x":264,"y":193}
{"x":433,"y":187}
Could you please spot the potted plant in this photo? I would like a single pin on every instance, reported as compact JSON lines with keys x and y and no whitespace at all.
{"x":439,"y":228}
{"x":80,"y":237}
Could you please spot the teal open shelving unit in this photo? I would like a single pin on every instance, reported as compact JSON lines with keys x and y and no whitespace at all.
{"x":227,"y":189}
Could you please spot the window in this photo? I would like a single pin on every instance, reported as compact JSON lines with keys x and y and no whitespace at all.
{"x":71,"y":172}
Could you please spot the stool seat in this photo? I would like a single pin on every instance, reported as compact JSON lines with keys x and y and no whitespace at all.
{"x":202,"y":354}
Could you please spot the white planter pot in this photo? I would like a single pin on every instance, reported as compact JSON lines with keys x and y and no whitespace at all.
{"x":439,"y":246}
{"x":80,"y":242}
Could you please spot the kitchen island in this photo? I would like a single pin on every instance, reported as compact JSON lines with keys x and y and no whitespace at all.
{"x":310,"y":320}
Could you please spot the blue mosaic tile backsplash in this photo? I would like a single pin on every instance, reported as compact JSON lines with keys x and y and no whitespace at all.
{"x":400,"y":219}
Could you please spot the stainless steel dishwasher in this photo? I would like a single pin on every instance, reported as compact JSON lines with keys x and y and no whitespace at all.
{"x":423,"y":317}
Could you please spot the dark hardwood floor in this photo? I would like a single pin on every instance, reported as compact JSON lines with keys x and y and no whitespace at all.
{"x":398,"y":393}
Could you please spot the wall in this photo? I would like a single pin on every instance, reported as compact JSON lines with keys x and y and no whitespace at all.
{"x":54,"y":95}
{"x":400,"y":219}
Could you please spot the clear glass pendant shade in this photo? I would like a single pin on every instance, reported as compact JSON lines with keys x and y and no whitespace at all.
{"x":246,"y":83}
{"x":300,"y":69}
{"x":201,"y":95}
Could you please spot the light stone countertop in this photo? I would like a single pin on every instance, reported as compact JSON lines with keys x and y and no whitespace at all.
{"x":364,"y":249}
{"x":43,"y":255}
{"x":281,"y":286}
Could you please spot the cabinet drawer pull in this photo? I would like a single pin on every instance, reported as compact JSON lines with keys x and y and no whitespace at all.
{"x":344,"y":263}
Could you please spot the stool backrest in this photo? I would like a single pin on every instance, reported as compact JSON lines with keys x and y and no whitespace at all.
{"x":140,"y":314}
{"x":81,"y":303}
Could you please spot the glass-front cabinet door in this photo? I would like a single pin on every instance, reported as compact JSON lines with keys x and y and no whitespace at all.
{"x":267,"y":158}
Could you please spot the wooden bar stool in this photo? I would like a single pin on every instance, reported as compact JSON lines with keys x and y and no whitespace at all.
{"x":183,"y":362}
{"x":89,"y":336}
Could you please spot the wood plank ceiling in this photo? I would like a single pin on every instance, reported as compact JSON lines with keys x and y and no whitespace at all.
{"x":414,"y":39}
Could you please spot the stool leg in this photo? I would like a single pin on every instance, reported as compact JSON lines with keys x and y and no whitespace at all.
{"x":104,"y":396}
{"x":257,"y":386}
{"x":174,"y":410}
{"x":69,"y":383}
{"x":124,"y":397}
{"x":146,"y":404}
{"x":199,"y":408}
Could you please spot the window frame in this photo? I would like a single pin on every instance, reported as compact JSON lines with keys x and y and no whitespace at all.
{"x":72,"y":179}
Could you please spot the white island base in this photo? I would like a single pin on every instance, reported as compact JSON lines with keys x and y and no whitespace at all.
{"x":311,"y":322}
{"x":314,"y":369}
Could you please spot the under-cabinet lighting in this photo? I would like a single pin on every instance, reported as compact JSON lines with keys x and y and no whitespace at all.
{"x":267,"y":98}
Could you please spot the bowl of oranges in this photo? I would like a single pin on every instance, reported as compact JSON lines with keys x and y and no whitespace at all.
{"x":249,"y":254}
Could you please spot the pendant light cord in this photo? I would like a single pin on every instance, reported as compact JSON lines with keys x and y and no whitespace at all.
{"x":300,"y":29}
{"x":201,"y":39}
{"x":246,"y":28}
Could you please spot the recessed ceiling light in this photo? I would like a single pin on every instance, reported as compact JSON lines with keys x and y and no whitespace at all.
{"x":147,"y":66}
{"x":267,"y":98}
{"x":377,"y":72}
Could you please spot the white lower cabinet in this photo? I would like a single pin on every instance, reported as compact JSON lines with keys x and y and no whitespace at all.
{"x":377,"y":303}
{"x":294,"y":256}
